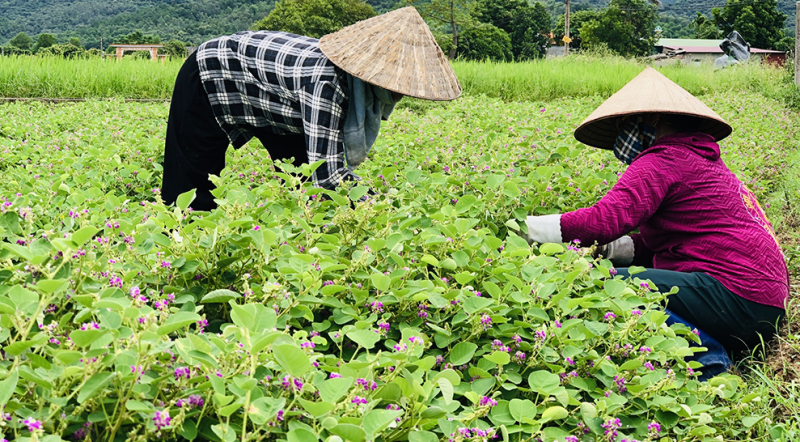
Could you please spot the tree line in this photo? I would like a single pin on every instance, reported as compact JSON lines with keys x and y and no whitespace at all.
{"x":505,"y":30}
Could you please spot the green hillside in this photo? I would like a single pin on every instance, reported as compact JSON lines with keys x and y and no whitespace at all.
{"x":195,"y":21}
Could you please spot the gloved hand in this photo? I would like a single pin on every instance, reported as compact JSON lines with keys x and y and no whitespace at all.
{"x":619,"y":252}
{"x":543,"y":229}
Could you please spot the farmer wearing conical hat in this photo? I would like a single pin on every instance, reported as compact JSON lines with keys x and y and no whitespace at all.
{"x":700,"y":228}
{"x":301,"y":97}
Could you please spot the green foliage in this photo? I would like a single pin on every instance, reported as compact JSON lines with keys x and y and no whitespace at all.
{"x":22,"y":41}
{"x":446,"y":16}
{"x":317,"y":279}
{"x":137,"y":38}
{"x":314,"y":18}
{"x":530,"y":33}
{"x":626,"y":27}
{"x":75,"y":41}
{"x":65,"y":51}
{"x":45,"y":41}
{"x":528,"y":25}
{"x":192,"y":21}
{"x":174,"y":49}
{"x":485,"y":42}
{"x":760,"y":24}
{"x":675,"y":26}
{"x":705,"y":28}
{"x":576,"y":21}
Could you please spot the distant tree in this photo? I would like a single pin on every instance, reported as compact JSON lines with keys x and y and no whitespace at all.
{"x":759,"y":23}
{"x":527,"y":25}
{"x":75,"y":41}
{"x":44,"y":41}
{"x":576,"y":20}
{"x":499,"y":13}
{"x":22,"y":41}
{"x":314,"y":18}
{"x":675,"y":26}
{"x":453,"y":15}
{"x":174,"y":49}
{"x":705,"y":28}
{"x":626,"y":27}
{"x":786,"y":44}
{"x":530,"y":32}
{"x":138,"y":38}
{"x":484,"y":41}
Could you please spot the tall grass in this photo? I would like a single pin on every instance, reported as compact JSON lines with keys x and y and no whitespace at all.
{"x":578,"y":76}
{"x":574,"y":76}
{"x":51,"y":77}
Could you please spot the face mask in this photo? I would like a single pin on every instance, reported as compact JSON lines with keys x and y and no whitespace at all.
{"x":634,"y":138}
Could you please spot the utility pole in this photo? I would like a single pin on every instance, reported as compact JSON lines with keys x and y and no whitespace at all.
{"x":797,"y":46}
{"x":566,"y":27}
{"x":101,"y":47}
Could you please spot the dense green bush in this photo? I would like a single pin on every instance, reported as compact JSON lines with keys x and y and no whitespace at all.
{"x":282,"y":315}
{"x":484,"y":42}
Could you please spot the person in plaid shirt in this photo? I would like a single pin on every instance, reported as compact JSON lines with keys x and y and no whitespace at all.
{"x":284,"y":90}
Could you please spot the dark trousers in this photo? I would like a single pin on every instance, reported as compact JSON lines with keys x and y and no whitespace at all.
{"x":195,"y":146}
{"x":738,"y":324}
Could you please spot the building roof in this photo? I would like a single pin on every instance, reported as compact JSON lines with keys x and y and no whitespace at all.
{"x":714,"y":50}
{"x":693,"y":42}
{"x":124,"y":46}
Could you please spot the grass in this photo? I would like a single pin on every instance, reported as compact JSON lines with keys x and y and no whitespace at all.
{"x":545,"y":80}
{"x":50,"y":77}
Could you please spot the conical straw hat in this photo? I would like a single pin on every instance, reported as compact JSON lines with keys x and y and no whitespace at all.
{"x":649,"y":93}
{"x":395,"y":51}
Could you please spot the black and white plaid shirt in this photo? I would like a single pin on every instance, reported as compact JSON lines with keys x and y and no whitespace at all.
{"x":281,"y":81}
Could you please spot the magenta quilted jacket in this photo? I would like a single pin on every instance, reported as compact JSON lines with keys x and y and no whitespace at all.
{"x":693,"y":215}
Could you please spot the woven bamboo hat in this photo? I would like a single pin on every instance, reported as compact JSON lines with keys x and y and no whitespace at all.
{"x":649,"y":93}
{"x":395,"y":51}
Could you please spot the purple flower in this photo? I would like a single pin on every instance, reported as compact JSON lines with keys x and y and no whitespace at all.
{"x":611,"y":428}
{"x":416,"y":340}
{"x":32,"y":424}
{"x":569,"y":361}
{"x":486,"y":321}
{"x":166,"y":264}
{"x":636,"y":312}
{"x":519,"y":357}
{"x":359,"y":400}
{"x":182,"y":372}
{"x":558,"y":324}
{"x":649,"y":366}
{"x":696,"y":331}
{"x":307,"y":344}
{"x":400,"y":347}
{"x":383,"y":327}
{"x":645,"y":349}
{"x":487,"y":401}
{"x":201,"y":325}
{"x":290,"y":384}
{"x":376,"y":307}
{"x":256,"y":227}
{"x":335,"y":375}
{"x":620,"y":381}
{"x":367,"y":385}
{"x":570,"y":439}
{"x":161,"y":419}
{"x":645,"y":286}
{"x":654,"y":427}
{"x":612,"y":271}
{"x":541,"y":334}
{"x":609,"y":316}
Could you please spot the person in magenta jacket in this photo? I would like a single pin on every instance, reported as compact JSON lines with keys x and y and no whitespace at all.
{"x":699,"y":227}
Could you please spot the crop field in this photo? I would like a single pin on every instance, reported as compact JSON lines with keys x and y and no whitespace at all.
{"x":411,"y":316}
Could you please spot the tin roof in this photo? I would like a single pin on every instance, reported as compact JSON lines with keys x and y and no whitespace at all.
{"x":692,"y":42}
{"x":714,"y":50}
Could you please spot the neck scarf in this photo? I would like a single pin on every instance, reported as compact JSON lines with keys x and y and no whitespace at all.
{"x":634,"y":138}
{"x":369,"y":104}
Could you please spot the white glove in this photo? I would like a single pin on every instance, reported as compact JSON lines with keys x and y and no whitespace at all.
{"x":619,"y":252}
{"x":544,"y":229}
